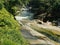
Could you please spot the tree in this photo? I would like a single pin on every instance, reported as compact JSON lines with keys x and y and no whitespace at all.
{"x":50,"y":7}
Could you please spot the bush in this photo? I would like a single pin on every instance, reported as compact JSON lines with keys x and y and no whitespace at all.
{"x":10,"y":30}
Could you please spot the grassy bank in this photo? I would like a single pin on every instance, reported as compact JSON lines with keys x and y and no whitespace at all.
{"x":10,"y":30}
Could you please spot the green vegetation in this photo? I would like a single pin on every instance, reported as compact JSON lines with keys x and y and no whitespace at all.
{"x":9,"y":28}
{"x":50,"y":7}
{"x":9,"y":4}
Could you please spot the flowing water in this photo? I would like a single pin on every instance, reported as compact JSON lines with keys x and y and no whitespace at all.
{"x":29,"y":33}
{"x":24,"y":14}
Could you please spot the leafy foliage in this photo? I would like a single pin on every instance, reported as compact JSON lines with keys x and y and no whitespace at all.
{"x":9,"y":27}
{"x":50,"y":7}
{"x":10,"y":30}
{"x":8,"y":4}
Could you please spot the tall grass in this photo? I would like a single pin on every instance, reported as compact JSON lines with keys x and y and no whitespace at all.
{"x":10,"y":30}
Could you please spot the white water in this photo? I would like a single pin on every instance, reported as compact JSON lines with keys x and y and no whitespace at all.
{"x":24,"y":14}
{"x":30,"y":33}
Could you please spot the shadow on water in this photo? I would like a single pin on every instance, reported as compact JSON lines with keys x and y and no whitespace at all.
{"x":53,"y":37}
{"x":40,"y":44}
{"x":28,"y":35}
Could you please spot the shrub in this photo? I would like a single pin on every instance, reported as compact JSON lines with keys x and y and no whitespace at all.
{"x":10,"y":30}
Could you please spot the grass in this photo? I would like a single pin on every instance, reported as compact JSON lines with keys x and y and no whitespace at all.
{"x":10,"y":30}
